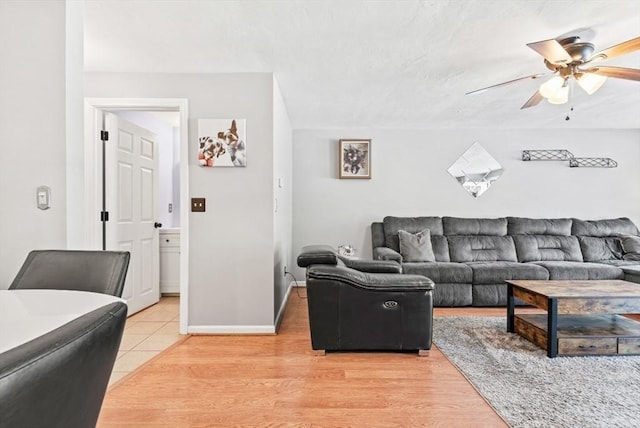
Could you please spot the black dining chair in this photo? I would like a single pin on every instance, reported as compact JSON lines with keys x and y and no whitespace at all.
{"x":96,"y":271}
{"x":59,"y":380}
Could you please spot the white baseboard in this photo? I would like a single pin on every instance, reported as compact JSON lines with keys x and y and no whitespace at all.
{"x":283,"y":305}
{"x":231,"y":329}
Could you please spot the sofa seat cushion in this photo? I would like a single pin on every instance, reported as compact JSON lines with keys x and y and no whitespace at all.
{"x":567,"y":271}
{"x":632,"y":270}
{"x":499,"y":272}
{"x":632,"y":273}
{"x":441,"y":272}
{"x":620,"y":263}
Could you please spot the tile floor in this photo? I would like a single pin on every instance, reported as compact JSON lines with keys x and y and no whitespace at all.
{"x":146,"y":334}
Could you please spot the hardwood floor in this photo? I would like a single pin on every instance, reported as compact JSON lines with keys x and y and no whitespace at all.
{"x":277,"y":381}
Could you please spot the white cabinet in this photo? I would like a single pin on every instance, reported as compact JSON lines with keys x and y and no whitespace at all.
{"x":170,"y":260}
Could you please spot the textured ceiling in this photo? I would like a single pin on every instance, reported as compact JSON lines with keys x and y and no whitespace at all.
{"x":377,"y":64}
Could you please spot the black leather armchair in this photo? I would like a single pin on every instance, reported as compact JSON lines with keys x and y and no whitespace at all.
{"x":59,"y":379}
{"x":365,"y":305}
{"x":96,"y":271}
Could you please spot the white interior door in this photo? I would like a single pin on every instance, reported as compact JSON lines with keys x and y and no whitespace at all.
{"x":132,"y":191}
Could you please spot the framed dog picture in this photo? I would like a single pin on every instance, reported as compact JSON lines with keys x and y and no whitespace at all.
{"x":354,"y":158}
{"x":222,"y":142}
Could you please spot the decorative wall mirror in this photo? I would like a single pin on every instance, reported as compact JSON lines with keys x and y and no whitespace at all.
{"x":476,"y":170}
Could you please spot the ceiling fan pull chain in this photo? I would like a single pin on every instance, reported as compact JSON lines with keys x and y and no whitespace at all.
{"x":570,"y":97}
{"x":568,"y":115}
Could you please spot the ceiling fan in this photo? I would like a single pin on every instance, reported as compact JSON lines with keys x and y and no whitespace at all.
{"x":567,"y":59}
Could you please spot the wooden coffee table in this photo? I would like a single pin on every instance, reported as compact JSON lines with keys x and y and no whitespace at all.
{"x":583,"y":317}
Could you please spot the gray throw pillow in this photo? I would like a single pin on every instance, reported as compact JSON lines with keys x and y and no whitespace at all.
{"x":631,"y":247}
{"x":416,"y":247}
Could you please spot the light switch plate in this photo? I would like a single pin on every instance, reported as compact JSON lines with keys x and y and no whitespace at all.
{"x":198,"y":205}
{"x":43,"y":195}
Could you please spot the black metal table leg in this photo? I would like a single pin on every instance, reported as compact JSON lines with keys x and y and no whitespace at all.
{"x":552,"y":327}
{"x":510,"y":308}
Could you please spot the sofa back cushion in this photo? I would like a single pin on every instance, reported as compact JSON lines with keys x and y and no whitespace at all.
{"x":481,"y":248}
{"x":602,"y":228}
{"x":536,"y":248}
{"x":474,"y":226}
{"x":539,"y":226}
{"x":596,"y":249}
{"x":630,"y":245}
{"x":440,"y":248}
{"x":377,"y":235}
{"x":392,"y":225}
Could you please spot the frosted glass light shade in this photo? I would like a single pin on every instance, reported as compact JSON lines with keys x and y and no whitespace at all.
{"x":550,"y":88}
{"x":591,"y":82}
{"x":561,"y":96}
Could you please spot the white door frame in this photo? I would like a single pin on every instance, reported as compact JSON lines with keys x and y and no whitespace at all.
{"x":92,"y":170}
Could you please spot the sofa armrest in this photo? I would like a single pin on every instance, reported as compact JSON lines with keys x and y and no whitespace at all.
{"x":373,"y":266}
{"x":386,"y":253}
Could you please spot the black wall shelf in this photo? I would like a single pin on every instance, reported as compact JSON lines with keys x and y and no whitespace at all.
{"x":566,"y":155}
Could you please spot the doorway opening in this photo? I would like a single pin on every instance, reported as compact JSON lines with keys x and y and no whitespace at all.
{"x":147,"y":126}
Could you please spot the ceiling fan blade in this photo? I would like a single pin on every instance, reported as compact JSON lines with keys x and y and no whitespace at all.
{"x":533,"y":101}
{"x":533,"y":76}
{"x":617,"y":72}
{"x":552,"y":51}
{"x":617,"y":50}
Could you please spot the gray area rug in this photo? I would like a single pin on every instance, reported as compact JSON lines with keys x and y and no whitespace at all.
{"x":530,"y":390}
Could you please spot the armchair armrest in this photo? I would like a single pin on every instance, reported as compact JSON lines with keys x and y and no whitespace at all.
{"x":373,"y":266}
{"x":386,"y":253}
{"x":317,"y":254}
{"x":370,"y":281}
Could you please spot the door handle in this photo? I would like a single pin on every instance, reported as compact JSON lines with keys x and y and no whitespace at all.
{"x":157,"y":225}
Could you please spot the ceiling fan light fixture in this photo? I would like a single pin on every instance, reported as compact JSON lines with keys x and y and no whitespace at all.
{"x":591,"y":82}
{"x":552,"y":87}
{"x":560,"y":99}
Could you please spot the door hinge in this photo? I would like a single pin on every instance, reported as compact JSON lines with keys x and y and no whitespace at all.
{"x":104,"y":216}
{"x":104,"y":135}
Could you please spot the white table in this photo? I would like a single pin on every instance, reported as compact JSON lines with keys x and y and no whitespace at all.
{"x":27,"y":314}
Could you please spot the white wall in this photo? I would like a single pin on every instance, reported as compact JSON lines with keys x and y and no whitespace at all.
{"x":409,"y":178}
{"x":166,"y":144}
{"x":32,"y":129}
{"x":231,"y":245}
{"x":282,"y":191}
{"x":74,"y":71}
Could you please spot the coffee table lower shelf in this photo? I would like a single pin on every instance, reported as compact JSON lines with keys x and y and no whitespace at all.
{"x":583,"y":334}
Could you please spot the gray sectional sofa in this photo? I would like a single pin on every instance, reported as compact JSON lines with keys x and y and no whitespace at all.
{"x":470,"y":258}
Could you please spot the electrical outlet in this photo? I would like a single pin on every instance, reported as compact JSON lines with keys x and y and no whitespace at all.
{"x":285,"y":270}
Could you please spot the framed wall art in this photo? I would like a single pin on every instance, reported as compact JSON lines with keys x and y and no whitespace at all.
{"x":354,"y":158}
{"x":222,"y":142}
